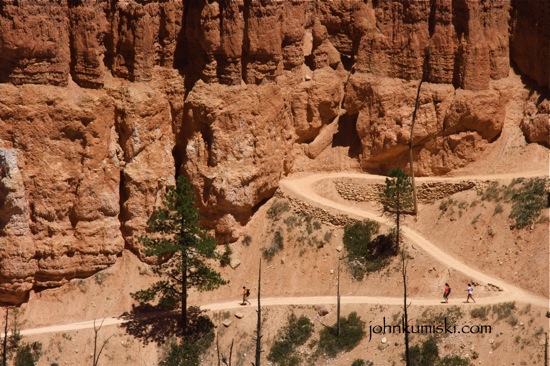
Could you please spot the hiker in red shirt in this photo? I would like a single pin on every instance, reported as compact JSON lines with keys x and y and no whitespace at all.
{"x":447,"y":292}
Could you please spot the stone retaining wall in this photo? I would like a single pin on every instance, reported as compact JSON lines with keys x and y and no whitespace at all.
{"x":427,"y":192}
{"x":304,"y":208}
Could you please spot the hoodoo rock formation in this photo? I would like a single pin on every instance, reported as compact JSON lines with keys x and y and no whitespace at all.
{"x":103,"y":102}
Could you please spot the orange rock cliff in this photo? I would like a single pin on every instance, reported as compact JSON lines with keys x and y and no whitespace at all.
{"x":104,"y":102}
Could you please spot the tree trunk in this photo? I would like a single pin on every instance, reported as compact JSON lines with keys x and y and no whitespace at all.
{"x":338,"y":302}
{"x":94,"y":363}
{"x":405,"y":314}
{"x":184,"y":295}
{"x":97,"y":354}
{"x":404,"y":273}
{"x":424,"y":70}
{"x":259,"y":321}
{"x":231,"y":352}
{"x":415,"y":205}
{"x":397,"y":219}
{"x":5,"y":343}
{"x":546,"y":350}
{"x":218,"y":347}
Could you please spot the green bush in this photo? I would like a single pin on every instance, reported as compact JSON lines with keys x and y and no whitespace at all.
{"x":454,"y":361}
{"x":451,"y":315}
{"x":294,"y":334}
{"x":480,"y":313}
{"x":366,"y":254}
{"x":512,"y":320}
{"x":185,"y":354}
{"x":446,"y":204}
{"x":309,"y":226}
{"x":360,"y":362}
{"x":528,"y":198}
{"x":277,"y":209}
{"x":316,"y":225}
{"x":427,"y":354}
{"x":528,"y":202}
{"x":358,"y":235}
{"x":225,"y":258}
{"x":503,"y":310}
{"x":275,"y":247}
{"x":291,"y":222}
{"x":352,"y":331}
{"x":492,"y":193}
{"x":247,"y":240}
{"x":199,"y":337}
{"x":28,"y":354}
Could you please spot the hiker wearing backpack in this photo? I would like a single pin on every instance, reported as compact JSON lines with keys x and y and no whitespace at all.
{"x":446,"y":292}
{"x":246,"y":294}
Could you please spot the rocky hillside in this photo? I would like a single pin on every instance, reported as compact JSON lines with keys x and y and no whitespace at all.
{"x":103,"y":102}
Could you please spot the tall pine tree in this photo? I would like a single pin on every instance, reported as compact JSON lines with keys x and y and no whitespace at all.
{"x":397,"y":199}
{"x":183,"y":249}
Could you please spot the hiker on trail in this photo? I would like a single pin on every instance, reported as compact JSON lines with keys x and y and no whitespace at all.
{"x":447,"y":292}
{"x":470,"y":292}
{"x":246,"y":293}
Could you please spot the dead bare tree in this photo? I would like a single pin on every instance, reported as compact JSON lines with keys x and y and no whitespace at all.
{"x":338,"y":302}
{"x":405,"y":307}
{"x":96,"y":335}
{"x":231,"y":352}
{"x":416,"y":103}
{"x":546,"y":350}
{"x":218,"y":347}
{"x":226,"y":361}
{"x":259,"y":321}
{"x":5,"y":341}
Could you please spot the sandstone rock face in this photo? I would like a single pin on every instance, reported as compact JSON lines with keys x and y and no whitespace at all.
{"x":460,"y":42}
{"x":88,"y":28}
{"x":530,"y":39}
{"x":103,"y":103}
{"x":143,"y":36}
{"x":237,"y":149}
{"x":142,"y":120}
{"x":450,"y":128}
{"x":536,"y":122}
{"x":34,"y":42}
{"x":236,"y":141}
{"x":60,"y":183}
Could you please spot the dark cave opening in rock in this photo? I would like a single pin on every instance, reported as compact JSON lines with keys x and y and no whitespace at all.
{"x":347,"y":136}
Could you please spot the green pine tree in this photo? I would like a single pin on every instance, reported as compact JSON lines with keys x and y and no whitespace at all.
{"x":397,"y":197}
{"x":183,"y":248}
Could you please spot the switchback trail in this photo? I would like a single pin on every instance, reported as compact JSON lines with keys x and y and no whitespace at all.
{"x":302,"y":188}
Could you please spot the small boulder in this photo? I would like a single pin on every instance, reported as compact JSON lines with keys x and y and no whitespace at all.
{"x":226,"y":323}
